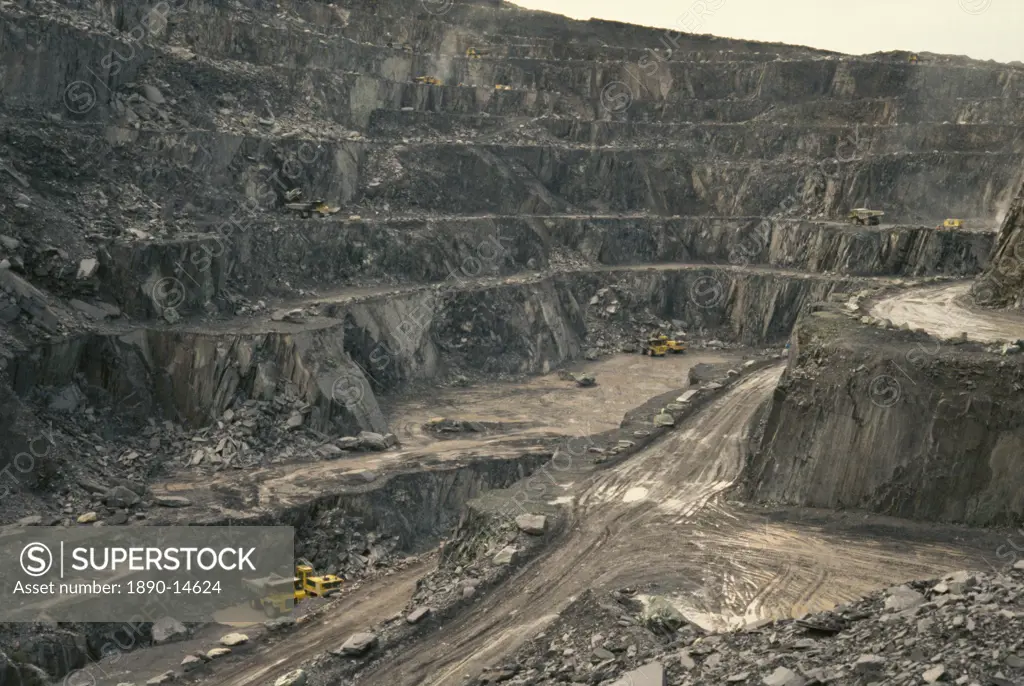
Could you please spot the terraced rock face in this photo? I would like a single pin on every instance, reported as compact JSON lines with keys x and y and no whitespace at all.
{"x":149,"y":148}
{"x":576,"y":187}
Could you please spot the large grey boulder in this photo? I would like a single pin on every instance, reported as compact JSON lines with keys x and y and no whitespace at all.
{"x":372,"y":441}
{"x":651,"y":674}
{"x":121,"y":496}
{"x":532,"y":524}
{"x":584,"y":380}
{"x":233,"y":639}
{"x":357,"y":644}
{"x":701,"y":373}
{"x":661,"y":616}
{"x":417,"y":615}
{"x":294,"y":678}
{"x":506,"y":556}
{"x":903,"y":598}
{"x":168,"y":630}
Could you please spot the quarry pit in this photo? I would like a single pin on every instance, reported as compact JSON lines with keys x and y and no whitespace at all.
{"x":438,"y":382}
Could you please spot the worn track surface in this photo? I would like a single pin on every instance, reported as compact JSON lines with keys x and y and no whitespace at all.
{"x":620,"y":523}
{"x":945,"y":311}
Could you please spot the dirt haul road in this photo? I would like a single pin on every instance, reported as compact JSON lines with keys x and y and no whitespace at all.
{"x":722,"y":562}
{"x":535,"y":409}
{"x":944,"y":311}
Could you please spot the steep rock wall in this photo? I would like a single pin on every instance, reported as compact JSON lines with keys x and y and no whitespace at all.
{"x":278,"y":256}
{"x":905,"y":427}
{"x":1002,"y":284}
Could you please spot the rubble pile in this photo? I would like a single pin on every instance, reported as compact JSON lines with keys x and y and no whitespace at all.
{"x":336,"y":543}
{"x":961,"y":629}
{"x":115,"y":447}
{"x":620,"y":319}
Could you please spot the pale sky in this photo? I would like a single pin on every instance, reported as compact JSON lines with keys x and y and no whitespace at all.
{"x":983,"y":29}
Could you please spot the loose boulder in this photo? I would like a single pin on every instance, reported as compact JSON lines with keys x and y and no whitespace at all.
{"x":295,"y":678}
{"x":651,"y":674}
{"x":233,"y":639}
{"x":357,"y":644}
{"x":372,"y":441}
{"x":191,"y":663}
{"x":168,"y":630}
{"x":171,"y":501}
{"x":506,"y":556}
{"x":120,"y":496}
{"x":532,"y":524}
{"x":417,"y":615}
{"x":661,"y":616}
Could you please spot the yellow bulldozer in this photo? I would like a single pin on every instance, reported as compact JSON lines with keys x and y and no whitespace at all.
{"x":323,"y":586}
{"x":952,"y":224}
{"x":659,"y":346}
{"x":277,"y":595}
{"x":429,"y":80}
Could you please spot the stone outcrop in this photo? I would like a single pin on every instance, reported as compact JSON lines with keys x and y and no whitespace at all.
{"x":1002,"y":283}
{"x":893,"y":422}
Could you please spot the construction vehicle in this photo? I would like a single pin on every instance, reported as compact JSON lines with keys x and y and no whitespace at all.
{"x":953,"y":224}
{"x":429,"y":80}
{"x":275,"y":595}
{"x":322,"y":586}
{"x":307,"y":209}
{"x":675,"y":347}
{"x":502,"y":87}
{"x":475,"y":53}
{"x":866,"y":217}
{"x":659,"y":346}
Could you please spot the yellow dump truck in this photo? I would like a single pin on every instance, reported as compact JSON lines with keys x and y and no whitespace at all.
{"x":275,"y":595}
{"x":308,"y":209}
{"x":659,"y":346}
{"x":866,"y":217}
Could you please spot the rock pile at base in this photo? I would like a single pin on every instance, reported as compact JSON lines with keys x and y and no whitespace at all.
{"x":964,"y":629}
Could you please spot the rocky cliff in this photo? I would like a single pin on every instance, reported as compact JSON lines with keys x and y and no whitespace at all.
{"x":1002,"y":283}
{"x":893,"y":422}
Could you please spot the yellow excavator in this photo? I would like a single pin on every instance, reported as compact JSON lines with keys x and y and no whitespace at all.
{"x":953,"y":224}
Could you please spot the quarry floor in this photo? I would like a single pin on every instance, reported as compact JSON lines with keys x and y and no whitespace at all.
{"x":728,"y":563}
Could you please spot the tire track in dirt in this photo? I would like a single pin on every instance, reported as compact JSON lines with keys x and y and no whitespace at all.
{"x":944,"y":311}
{"x":687,"y":467}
